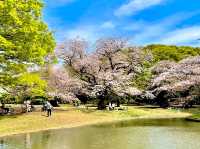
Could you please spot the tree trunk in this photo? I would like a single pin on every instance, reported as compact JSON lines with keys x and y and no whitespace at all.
{"x":111,"y":63}
{"x":101,"y":104}
{"x":118,"y":103}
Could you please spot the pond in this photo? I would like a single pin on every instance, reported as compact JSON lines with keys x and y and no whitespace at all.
{"x":135,"y":134}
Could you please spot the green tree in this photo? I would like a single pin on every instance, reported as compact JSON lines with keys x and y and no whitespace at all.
{"x":160,"y":53}
{"x":30,"y":85}
{"x":24,"y":38}
{"x":172,"y":53}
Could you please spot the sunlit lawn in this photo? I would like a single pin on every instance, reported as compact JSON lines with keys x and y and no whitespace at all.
{"x":195,"y":114}
{"x":68,"y":116}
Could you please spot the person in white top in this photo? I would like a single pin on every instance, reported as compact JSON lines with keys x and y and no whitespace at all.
{"x":49,"y":108}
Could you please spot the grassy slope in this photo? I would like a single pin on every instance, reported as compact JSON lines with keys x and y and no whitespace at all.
{"x":67,"y":117}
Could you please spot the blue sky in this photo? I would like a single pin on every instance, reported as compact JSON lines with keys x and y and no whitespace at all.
{"x":141,"y":21}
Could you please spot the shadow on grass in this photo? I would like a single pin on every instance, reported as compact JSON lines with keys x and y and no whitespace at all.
{"x":11,"y":116}
{"x":88,"y":110}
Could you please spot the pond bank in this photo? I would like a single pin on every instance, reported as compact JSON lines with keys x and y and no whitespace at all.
{"x":194,"y":118}
{"x":68,"y":117}
{"x":195,"y":114}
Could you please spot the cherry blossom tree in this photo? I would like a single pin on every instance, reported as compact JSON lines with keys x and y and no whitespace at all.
{"x":176,"y":80}
{"x":108,"y":47}
{"x":71,"y":50}
{"x":105,"y":72}
{"x":61,"y":84}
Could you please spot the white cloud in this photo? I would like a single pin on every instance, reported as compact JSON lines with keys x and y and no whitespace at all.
{"x":89,"y":33}
{"x":161,"y":32}
{"x":134,"y":6}
{"x":135,"y":26}
{"x":140,"y":32}
{"x":108,"y":25}
{"x":182,"y":36}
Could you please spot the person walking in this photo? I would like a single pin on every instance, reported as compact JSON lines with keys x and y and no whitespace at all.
{"x":49,"y":108}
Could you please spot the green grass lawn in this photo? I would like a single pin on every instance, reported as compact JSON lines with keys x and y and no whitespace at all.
{"x":195,"y":114}
{"x":68,"y":116}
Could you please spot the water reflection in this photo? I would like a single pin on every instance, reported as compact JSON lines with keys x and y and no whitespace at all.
{"x":137,"y":134}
